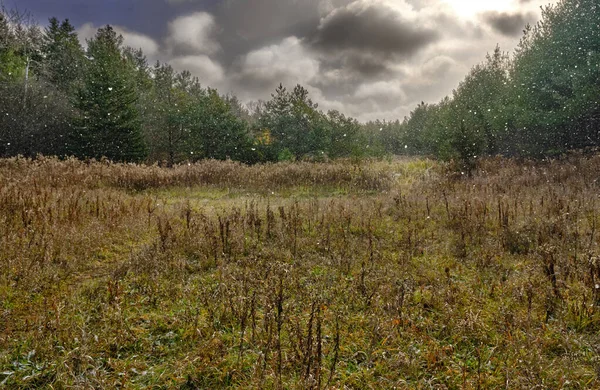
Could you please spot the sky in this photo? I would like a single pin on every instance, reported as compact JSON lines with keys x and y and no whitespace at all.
{"x":369,"y":59}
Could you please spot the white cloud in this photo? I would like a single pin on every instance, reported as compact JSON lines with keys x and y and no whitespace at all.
{"x":390,"y":114}
{"x":288,"y":57}
{"x":325,"y":104}
{"x":86,"y":31}
{"x":193,"y":34}
{"x":130,"y":38}
{"x":208,"y":71}
{"x":139,"y":41}
{"x":381,"y":91}
{"x":286,"y":62}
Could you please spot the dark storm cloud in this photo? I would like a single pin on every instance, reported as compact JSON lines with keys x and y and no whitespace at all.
{"x":355,"y":63}
{"x":267,"y":19}
{"x":247,"y":25}
{"x":372,"y":28}
{"x":507,"y":24}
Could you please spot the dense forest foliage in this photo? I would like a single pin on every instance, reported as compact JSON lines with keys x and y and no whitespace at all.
{"x":58,"y":97}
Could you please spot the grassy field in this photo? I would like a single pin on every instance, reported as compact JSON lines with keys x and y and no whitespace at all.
{"x":372,"y":275}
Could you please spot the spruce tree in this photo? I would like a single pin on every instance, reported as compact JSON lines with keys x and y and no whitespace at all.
{"x":109,"y":125}
{"x":298,"y":128}
{"x":216,"y":133}
{"x":555,"y":77}
{"x":63,"y":55}
{"x":169,"y":129}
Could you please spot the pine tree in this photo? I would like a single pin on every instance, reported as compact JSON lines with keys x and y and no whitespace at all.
{"x":555,"y":77}
{"x":298,"y":128}
{"x":215,"y":132}
{"x":110,"y":123}
{"x":34,"y":115}
{"x":63,"y":55}
{"x":170,"y":127}
{"x":344,"y":133}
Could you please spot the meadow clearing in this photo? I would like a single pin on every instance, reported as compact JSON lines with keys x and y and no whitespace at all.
{"x":344,"y":275}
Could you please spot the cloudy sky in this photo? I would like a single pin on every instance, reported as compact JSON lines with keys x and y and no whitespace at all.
{"x":367,"y":58}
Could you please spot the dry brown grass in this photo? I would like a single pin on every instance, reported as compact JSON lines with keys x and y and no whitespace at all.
{"x":406,"y":278}
{"x":55,"y":173}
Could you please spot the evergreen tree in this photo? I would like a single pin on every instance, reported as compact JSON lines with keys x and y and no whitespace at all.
{"x":109,"y":125}
{"x":215,"y":132}
{"x":415,"y":127}
{"x":34,"y":115}
{"x":555,"y":79}
{"x":169,"y":129}
{"x":63,"y":55}
{"x":477,"y":110}
{"x":141,"y":76}
{"x":297,"y":127}
{"x":345,"y":136}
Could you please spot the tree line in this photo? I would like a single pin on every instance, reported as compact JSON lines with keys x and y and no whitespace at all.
{"x":105,"y":100}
